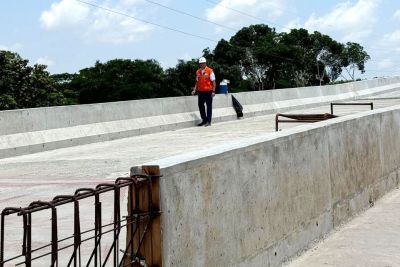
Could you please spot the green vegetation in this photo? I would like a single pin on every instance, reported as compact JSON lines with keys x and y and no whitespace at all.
{"x":255,"y":58}
{"x":23,"y":86}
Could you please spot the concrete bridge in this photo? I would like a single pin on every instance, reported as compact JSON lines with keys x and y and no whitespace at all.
{"x":234,"y":194}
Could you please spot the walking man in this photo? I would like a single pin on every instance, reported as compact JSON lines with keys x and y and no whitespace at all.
{"x":205,"y":86}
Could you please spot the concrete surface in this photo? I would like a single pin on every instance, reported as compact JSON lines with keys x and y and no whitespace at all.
{"x":34,"y":130}
{"x":369,"y":240}
{"x":268,"y":197}
{"x":244,"y":168}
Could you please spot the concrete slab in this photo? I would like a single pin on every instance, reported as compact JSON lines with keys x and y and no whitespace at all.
{"x":41,"y":176}
{"x":371,"y":239}
{"x":95,"y":163}
{"x":28,"y":131}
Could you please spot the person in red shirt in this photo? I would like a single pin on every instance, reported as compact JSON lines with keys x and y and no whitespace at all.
{"x":205,"y":87}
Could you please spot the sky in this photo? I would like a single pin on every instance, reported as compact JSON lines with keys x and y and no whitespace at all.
{"x":69,"y":35}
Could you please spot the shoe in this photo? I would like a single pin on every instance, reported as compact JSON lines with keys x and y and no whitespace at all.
{"x":207,"y":124}
{"x":201,"y":123}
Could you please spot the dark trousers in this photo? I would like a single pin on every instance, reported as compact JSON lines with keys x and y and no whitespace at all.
{"x":205,"y":98}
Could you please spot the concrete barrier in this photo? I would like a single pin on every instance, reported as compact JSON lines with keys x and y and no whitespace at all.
{"x":260,"y":201}
{"x":34,"y":130}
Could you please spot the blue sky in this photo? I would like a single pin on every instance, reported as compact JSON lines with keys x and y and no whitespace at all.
{"x":68,"y":35}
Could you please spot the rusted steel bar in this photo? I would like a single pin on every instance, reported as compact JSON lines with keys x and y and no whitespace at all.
{"x":117,"y":223}
{"x":112,"y":248}
{"x":120,"y":182}
{"x":76,"y":255}
{"x":54,"y":237}
{"x":77,"y":234}
{"x":54,"y":234}
{"x":371,"y":104}
{"x":27,"y":239}
{"x":143,"y":214}
{"x":4,"y":213}
{"x":301,"y":118}
{"x":97,"y":230}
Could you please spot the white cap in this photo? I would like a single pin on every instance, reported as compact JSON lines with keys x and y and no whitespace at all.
{"x":202,"y":60}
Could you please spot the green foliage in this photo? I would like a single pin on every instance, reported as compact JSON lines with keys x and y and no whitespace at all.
{"x":119,"y":79}
{"x":255,"y":51}
{"x":24,"y":86}
{"x":255,"y":58}
{"x":7,"y":102}
{"x":180,"y":80}
{"x":354,"y":57}
{"x":65,"y":88}
{"x":269,"y":60}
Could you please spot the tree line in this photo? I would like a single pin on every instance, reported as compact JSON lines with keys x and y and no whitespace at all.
{"x":255,"y":58}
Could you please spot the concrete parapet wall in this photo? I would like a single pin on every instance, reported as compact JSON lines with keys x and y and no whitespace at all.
{"x":33,"y":130}
{"x":260,"y":201}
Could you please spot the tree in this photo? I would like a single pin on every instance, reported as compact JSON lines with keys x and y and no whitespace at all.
{"x":300,"y":45}
{"x":354,"y":56}
{"x":253,"y":49}
{"x":63,"y":83}
{"x":24,"y":86}
{"x":179,"y":80}
{"x":225,"y":63}
{"x":266,"y":59}
{"x":316,"y":58}
{"x":255,"y":58}
{"x":119,"y":79}
{"x":328,"y":57}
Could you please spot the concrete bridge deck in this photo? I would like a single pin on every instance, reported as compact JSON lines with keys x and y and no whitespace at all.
{"x":43,"y":175}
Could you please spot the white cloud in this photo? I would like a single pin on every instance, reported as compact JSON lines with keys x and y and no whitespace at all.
{"x":386,"y":54}
{"x":386,"y":63}
{"x":396,"y":14}
{"x":64,"y":14}
{"x":391,"y":42}
{"x":225,"y":14}
{"x":96,"y":24}
{"x":14,"y":47}
{"x":352,"y":21}
{"x":393,"y":37}
{"x":294,"y":24}
{"x":45,"y":61}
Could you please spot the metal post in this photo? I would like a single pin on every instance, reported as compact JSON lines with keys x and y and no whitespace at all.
{"x":28,"y":255}
{"x":2,"y":240}
{"x":276,"y":121}
{"x":54,"y":237}
{"x":77,"y":234}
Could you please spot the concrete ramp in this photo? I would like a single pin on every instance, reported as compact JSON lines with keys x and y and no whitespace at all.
{"x":234,"y":194}
{"x":34,"y":130}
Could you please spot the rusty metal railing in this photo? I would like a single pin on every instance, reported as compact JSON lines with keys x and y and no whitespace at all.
{"x":301,"y":118}
{"x":308,"y":118}
{"x":142,"y":226}
{"x":351,"y":104}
